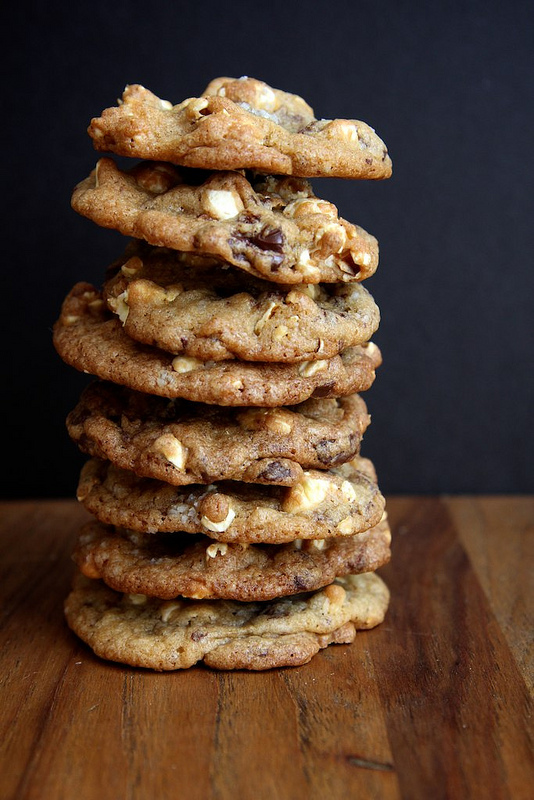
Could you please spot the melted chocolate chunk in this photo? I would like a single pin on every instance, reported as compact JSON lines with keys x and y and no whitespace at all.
{"x":328,"y":452}
{"x":324,"y":390}
{"x":269,"y":239}
{"x":275,"y":472}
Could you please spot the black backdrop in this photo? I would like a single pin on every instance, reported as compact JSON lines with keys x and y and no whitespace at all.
{"x":448,"y":85}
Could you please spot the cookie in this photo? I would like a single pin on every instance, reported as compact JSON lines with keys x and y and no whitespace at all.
{"x":225,"y":634}
{"x":172,"y":564}
{"x":338,"y":502}
{"x":240,"y":124}
{"x":214,"y":314}
{"x":88,"y":337}
{"x":274,"y":228}
{"x":180,"y":442}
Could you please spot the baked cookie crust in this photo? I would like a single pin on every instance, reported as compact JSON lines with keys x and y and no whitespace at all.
{"x":275,"y":228}
{"x":337,"y":502}
{"x":240,"y":124}
{"x":225,"y":634}
{"x":214,"y":314}
{"x":88,"y":337}
{"x":168,"y":565}
{"x":180,"y":442}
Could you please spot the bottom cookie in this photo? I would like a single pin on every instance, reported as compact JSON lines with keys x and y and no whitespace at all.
{"x":225,"y":634}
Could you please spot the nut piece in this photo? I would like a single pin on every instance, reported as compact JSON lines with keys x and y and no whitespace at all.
{"x":306,"y":494}
{"x":186,"y":364}
{"x":345,"y":526}
{"x":348,"y":492}
{"x":172,"y":292}
{"x":132,"y":266}
{"x":222,"y":204}
{"x":278,"y":422}
{"x":137,"y":599}
{"x":172,"y":448}
{"x":167,"y":609}
{"x":194,"y":106}
{"x":216,"y":512}
{"x":309,"y":368}
{"x":217,"y":548}
{"x":258,"y":327}
{"x":119,"y":305}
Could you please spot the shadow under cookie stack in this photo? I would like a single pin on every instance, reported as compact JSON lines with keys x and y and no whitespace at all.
{"x":234,"y":520}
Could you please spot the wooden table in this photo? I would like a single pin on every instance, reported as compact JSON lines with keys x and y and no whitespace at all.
{"x":435,"y":703}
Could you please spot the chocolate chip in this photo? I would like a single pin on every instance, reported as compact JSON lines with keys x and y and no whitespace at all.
{"x":324,"y":390}
{"x":269,"y":239}
{"x":275,"y":472}
{"x":329,"y":454}
{"x":300,"y":583}
{"x":196,"y":636}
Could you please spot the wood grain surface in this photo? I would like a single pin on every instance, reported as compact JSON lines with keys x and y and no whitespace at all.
{"x":435,"y":703}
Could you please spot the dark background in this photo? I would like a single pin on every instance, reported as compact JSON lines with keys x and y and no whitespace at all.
{"x":448,"y":86}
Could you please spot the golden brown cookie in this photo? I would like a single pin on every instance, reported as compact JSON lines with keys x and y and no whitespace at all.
{"x":182,"y":442}
{"x":225,"y":634}
{"x":338,"y":502}
{"x":274,"y":228}
{"x":167,"y":565}
{"x":214,"y":314}
{"x":240,"y":124}
{"x":87,"y":336}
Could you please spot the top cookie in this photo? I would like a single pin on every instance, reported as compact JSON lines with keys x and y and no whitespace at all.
{"x":240,"y":124}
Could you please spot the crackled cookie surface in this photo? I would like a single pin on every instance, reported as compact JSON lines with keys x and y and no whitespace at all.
{"x":167,"y":565}
{"x":273,"y":228}
{"x":226,"y":634}
{"x":237,"y":124}
{"x":337,"y":502}
{"x":215,"y":314}
{"x":87,"y":336}
{"x":182,"y":442}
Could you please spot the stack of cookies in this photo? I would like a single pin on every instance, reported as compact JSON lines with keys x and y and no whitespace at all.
{"x":234,"y":520}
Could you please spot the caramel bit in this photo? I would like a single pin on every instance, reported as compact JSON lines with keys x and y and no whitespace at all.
{"x":216,"y":512}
